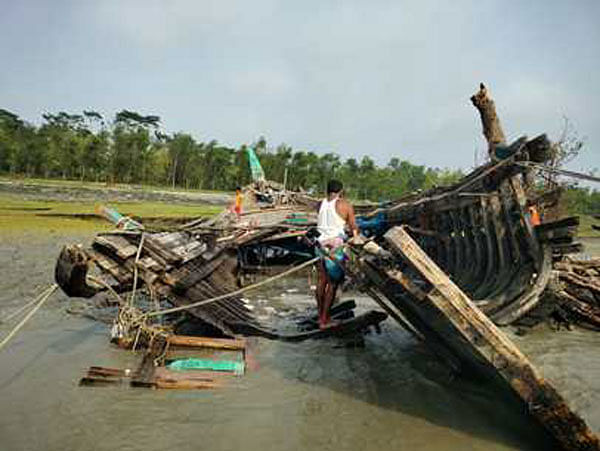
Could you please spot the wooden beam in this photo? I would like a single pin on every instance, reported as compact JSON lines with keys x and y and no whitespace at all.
{"x":144,"y":375}
{"x":185,"y":384}
{"x":489,"y":349}
{"x":205,"y":342}
{"x":119,"y":245}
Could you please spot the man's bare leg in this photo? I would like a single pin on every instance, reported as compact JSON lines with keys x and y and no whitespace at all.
{"x":328,"y":298}
{"x":322,"y":282}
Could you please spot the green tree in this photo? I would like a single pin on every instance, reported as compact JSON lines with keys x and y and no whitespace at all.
{"x":132,"y":147}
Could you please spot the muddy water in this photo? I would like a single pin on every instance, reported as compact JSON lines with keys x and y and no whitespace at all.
{"x":391,"y":394}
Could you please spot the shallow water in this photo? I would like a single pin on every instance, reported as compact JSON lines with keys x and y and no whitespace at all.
{"x":391,"y":394}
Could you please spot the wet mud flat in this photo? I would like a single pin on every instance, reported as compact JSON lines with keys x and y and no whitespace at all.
{"x":99,"y":192}
{"x":391,"y":394}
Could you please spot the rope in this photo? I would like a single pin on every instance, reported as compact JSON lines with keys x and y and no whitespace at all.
{"x":45,"y":297}
{"x":129,"y":317}
{"x":564,"y":172}
{"x":108,"y":287}
{"x":234,"y":293}
{"x":458,"y":190}
{"x":135,"y":269}
{"x":20,"y":309}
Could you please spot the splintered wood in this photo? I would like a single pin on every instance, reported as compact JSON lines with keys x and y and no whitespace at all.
{"x":577,"y":290}
{"x":447,"y":318}
{"x":178,"y":362}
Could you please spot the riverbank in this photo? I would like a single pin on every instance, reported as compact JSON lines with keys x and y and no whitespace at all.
{"x":75,"y":191}
{"x":139,"y":200}
{"x":22,"y":213}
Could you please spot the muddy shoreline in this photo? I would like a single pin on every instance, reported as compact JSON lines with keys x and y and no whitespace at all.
{"x":392,"y":394}
{"x":96,"y":192}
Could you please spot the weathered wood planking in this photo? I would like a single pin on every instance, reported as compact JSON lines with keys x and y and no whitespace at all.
{"x":144,"y":375}
{"x":161,"y":244}
{"x":475,"y":340}
{"x":115,"y":269}
{"x":206,"y":342}
{"x":117,"y":244}
{"x":149,"y":264}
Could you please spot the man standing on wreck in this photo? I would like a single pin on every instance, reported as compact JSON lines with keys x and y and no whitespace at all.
{"x":336,"y":216}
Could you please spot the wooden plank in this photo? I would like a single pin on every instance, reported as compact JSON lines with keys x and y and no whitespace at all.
{"x":102,"y":376}
{"x":571,"y":221}
{"x":158,"y":247}
{"x":188,"y":275}
{"x":115,"y":269}
{"x":489,"y":258}
{"x":150,"y":264}
{"x":162,"y":373}
{"x":108,"y":372}
{"x":533,"y":244}
{"x":491,"y":350}
{"x":185,"y":384}
{"x":191,"y":250}
{"x":206,"y":342}
{"x":479,"y":253}
{"x":89,"y":381}
{"x":144,"y":375}
{"x":117,"y":244}
{"x":189,"y":380}
{"x":530,"y":298}
{"x":348,"y":327}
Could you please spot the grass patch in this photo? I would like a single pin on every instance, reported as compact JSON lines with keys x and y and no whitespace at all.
{"x":103,"y":185}
{"x":19,"y":215}
{"x":585,"y":227}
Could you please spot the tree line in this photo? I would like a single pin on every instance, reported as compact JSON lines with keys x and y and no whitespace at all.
{"x":580,"y":200}
{"x":132,"y":148}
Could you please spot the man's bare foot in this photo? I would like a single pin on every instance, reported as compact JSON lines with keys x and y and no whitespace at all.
{"x":328,"y":325}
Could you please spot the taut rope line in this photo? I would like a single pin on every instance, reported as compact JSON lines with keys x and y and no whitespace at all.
{"x":135,"y":269}
{"x":23,"y":307}
{"x":45,"y":297}
{"x":234,"y":293}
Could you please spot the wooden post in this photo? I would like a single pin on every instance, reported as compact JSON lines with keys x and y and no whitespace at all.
{"x":492,"y":130}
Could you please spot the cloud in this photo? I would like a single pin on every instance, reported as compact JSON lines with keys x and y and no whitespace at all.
{"x":384,"y":78}
{"x":157,"y":23}
{"x":260,"y":81}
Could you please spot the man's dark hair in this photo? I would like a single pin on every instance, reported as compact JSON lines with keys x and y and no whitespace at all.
{"x":334,"y":186}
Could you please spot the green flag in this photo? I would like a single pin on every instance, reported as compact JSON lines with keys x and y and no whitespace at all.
{"x":255,"y":168}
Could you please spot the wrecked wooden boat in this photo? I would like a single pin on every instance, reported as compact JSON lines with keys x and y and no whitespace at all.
{"x":494,"y":233}
{"x":468,"y":257}
{"x":416,"y":292}
{"x":480,"y":232}
{"x":181,"y":272}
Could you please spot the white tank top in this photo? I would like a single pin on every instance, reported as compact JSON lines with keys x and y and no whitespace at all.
{"x":330,"y":224}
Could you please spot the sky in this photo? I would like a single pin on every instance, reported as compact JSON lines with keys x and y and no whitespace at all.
{"x":378,"y":78}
